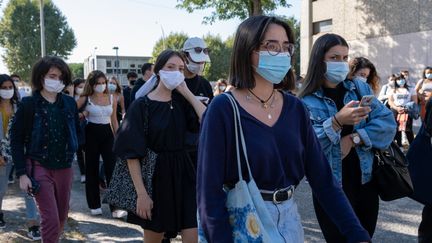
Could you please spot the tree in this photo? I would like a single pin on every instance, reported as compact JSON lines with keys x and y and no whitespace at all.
{"x":295,"y":26}
{"x":173,"y":41}
{"x":20,"y":34}
{"x":77,"y":70}
{"x":220,"y":58}
{"x":228,"y":9}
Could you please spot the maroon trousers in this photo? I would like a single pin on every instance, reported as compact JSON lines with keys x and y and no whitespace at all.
{"x":52,"y":199}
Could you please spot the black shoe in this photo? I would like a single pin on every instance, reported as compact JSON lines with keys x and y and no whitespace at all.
{"x":2,"y":222}
{"x":34,"y":233}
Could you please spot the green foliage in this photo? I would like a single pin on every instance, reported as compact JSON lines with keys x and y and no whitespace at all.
{"x":173,"y":41}
{"x":295,"y":25}
{"x":229,"y":9}
{"x":77,"y":70}
{"x":20,"y":34}
{"x":220,"y":58}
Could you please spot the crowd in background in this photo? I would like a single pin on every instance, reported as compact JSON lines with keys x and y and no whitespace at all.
{"x":293,"y":127}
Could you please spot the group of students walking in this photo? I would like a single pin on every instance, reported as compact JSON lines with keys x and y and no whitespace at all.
{"x":323,"y":134}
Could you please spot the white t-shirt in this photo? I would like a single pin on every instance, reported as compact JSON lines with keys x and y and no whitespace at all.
{"x":402,"y":96}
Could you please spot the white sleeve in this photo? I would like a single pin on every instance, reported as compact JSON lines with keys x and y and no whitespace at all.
{"x":147,"y":87}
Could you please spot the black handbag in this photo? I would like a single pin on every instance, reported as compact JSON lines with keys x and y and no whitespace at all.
{"x":121,"y":191}
{"x":390,"y":173}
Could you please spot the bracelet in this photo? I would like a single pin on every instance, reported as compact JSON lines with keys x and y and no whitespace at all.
{"x":340,"y":125}
{"x":337,"y":125}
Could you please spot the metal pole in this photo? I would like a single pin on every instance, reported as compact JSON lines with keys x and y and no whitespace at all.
{"x":117,"y":62}
{"x":42,"y":28}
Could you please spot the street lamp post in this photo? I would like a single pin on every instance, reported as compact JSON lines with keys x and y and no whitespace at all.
{"x":94,"y":58}
{"x":42,"y":28}
{"x":117,"y":61}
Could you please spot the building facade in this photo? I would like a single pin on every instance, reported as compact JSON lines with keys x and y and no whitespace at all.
{"x":108,"y":65}
{"x":394,"y":34}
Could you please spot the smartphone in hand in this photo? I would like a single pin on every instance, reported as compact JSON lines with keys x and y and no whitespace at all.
{"x":366,"y":100}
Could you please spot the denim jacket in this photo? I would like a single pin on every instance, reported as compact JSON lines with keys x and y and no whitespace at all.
{"x":377,"y":131}
{"x":37,"y":147}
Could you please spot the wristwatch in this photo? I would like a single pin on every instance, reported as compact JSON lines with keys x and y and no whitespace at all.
{"x":356,"y":139}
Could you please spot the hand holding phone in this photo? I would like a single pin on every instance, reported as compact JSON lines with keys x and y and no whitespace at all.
{"x":366,"y":100}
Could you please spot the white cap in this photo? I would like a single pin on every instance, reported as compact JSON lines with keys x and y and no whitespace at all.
{"x":192,"y":43}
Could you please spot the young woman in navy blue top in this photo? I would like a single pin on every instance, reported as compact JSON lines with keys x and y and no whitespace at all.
{"x":281,"y":143}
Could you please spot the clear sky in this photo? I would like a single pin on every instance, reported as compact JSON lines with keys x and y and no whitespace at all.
{"x":135,"y":25}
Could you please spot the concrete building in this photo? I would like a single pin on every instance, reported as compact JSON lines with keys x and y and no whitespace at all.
{"x":393,"y":34}
{"x":107,"y":64}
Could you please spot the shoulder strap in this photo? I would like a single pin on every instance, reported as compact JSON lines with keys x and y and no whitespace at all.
{"x":28,"y":108}
{"x":146,"y":116}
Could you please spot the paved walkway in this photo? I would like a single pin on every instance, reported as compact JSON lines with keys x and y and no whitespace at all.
{"x":397,"y":222}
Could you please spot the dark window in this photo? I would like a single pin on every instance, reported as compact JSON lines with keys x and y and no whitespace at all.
{"x":108,"y":63}
{"x":132,"y":65}
{"x":109,"y":71}
{"x":322,"y":26}
{"x":116,"y":63}
{"x":139,"y":66}
{"x":139,"y":71}
{"x":124,"y":71}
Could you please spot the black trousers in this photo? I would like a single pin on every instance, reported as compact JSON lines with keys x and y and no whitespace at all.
{"x":425,"y":228}
{"x":99,"y":142}
{"x":363,"y":199}
{"x":80,"y":159}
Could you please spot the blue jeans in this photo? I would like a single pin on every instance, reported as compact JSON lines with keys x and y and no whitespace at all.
{"x":31,"y":209}
{"x":4,"y":176}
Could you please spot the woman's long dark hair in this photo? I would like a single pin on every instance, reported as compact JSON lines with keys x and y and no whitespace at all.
{"x":317,"y":68}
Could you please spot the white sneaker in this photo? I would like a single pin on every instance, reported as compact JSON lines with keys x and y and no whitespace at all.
{"x":83,"y":179}
{"x":97,"y":211}
{"x":118,"y":214}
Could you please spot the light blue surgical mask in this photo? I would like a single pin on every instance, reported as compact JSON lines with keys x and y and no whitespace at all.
{"x":273,"y":68}
{"x":112,"y":87}
{"x":401,"y":82}
{"x":360,"y":79}
{"x":336,"y":71}
{"x":428,"y":76}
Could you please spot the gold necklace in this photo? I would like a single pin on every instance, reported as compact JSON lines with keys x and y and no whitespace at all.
{"x":264,"y":103}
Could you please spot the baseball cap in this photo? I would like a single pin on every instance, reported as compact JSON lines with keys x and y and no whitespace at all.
{"x":195,"y":47}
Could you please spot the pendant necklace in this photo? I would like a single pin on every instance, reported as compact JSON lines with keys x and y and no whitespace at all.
{"x":269,"y":116}
{"x":171,"y":105}
{"x":264,"y":103}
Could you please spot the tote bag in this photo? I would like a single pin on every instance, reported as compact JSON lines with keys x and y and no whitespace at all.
{"x":249,"y":217}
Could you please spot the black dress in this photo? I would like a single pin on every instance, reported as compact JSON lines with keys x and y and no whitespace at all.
{"x":174,"y":193}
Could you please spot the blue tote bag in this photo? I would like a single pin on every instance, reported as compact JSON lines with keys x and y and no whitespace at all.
{"x":249,"y":217}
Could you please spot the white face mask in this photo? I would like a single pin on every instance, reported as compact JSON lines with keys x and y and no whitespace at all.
{"x":6,"y":93}
{"x":53,"y":85}
{"x":195,"y":67}
{"x":79,"y":91}
{"x":171,"y":79}
{"x":100,"y":88}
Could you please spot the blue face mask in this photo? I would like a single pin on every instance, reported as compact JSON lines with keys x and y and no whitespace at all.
{"x":112,"y":87}
{"x":360,"y":79}
{"x":273,"y":68}
{"x":401,"y":82}
{"x":429,"y":76}
{"x":336,"y":71}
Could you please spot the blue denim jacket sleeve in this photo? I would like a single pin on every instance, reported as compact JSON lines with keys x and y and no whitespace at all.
{"x":379,"y":129}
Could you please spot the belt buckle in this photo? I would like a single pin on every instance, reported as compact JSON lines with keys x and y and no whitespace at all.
{"x":289,"y":190}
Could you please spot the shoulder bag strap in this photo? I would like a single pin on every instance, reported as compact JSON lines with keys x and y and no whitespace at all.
{"x":239,"y":130}
{"x":146,"y":116}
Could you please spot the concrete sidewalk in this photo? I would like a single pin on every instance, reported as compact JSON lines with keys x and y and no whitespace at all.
{"x":398,"y":220}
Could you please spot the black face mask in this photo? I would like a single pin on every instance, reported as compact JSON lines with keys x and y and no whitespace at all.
{"x":132,"y":82}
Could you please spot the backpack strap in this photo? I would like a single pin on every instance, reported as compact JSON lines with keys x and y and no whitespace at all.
{"x":28,"y":107}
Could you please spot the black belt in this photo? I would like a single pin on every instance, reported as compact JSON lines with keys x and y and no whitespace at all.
{"x":278,"y":196}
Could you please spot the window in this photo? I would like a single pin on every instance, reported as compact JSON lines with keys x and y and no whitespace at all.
{"x":108,"y":63}
{"x":322,"y":26}
{"x":139,"y":66}
{"x":109,"y":71}
{"x":124,"y":71}
{"x":132,"y":65}
{"x":139,"y":71}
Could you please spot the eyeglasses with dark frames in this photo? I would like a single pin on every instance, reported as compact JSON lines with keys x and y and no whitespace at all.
{"x":274,"y":48}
